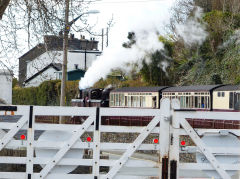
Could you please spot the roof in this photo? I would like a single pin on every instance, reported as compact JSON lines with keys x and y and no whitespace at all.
{"x":52,"y":42}
{"x":191,"y":88}
{"x":140,"y":89}
{"x":5,"y":72}
{"x":228,"y":88}
{"x":56,"y":66}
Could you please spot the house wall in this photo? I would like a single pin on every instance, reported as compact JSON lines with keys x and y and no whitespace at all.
{"x":46,"y":58}
{"x":49,"y":74}
{"x":6,"y":86}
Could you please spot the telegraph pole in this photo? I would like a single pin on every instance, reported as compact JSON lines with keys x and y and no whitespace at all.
{"x":64,"y":64}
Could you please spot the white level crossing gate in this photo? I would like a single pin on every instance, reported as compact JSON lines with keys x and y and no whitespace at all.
{"x":125,"y":160}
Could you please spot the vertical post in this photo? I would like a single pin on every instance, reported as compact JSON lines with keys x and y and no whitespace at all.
{"x":164,"y":138}
{"x":85,"y":60}
{"x":96,"y":144}
{"x":174,"y":147}
{"x":102,"y":38}
{"x":64,"y":64}
{"x":30,"y":140}
{"x":107,"y":35}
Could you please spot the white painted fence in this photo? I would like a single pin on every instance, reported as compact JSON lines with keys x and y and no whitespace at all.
{"x":124,"y":159}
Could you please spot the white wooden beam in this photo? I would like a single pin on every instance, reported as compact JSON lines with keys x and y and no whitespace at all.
{"x":67,"y":145}
{"x":132,"y":148}
{"x":197,"y":140}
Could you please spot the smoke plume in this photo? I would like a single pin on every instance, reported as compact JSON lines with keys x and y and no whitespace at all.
{"x":192,"y":31}
{"x":146,"y":24}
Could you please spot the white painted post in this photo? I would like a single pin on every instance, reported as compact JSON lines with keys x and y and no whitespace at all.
{"x":174,"y":145}
{"x":96,"y":144}
{"x":164,"y":138}
{"x":30,"y":140}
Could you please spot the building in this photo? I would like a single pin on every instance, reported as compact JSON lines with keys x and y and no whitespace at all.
{"x":5,"y":87}
{"x":43,"y":62}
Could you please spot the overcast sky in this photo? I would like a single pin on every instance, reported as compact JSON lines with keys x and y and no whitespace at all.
{"x":130,"y":15}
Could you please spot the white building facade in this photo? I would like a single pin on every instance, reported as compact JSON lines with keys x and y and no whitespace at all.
{"x":5,"y":87}
{"x":34,"y":65}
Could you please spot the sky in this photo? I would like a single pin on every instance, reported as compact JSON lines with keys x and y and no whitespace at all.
{"x":129,"y":15}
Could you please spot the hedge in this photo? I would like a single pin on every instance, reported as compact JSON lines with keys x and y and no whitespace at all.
{"x":46,"y":94}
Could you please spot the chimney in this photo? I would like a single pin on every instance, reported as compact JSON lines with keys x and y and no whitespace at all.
{"x":71,"y":36}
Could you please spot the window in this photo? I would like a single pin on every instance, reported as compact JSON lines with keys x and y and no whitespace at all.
{"x":112,"y":100}
{"x":121,"y":99}
{"x":134,"y":101}
{"x":129,"y":101}
{"x":187,"y":102}
{"x":143,"y":101}
{"x":202,"y":102}
{"x":126,"y":101}
{"x":196,"y":102}
{"x":181,"y":102}
{"x":219,"y":94}
{"x":223,"y":94}
{"x":117,"y":100}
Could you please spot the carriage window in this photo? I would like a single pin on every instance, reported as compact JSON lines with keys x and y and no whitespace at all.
{"x":196,"y":101}
{"x":208,"y":101}
{"x":138,"y":101}
{"x":111,"y":100}
{"x":181,"y":102}
{"x":231,"y":100}
{"x":205,"y":102}
{"x":122,"y":100}
{"x":187,"y":102}
{"x":223,"y":94}
{"x":143,"y":101}
{"x":117,"y":100}
{"x":202,"y":102}
{"x":134,"y":101}
{"x":129,"y":101}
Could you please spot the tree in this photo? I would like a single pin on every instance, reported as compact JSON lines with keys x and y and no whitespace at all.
{"x":25,"y":22}
{"x":3,"y":5}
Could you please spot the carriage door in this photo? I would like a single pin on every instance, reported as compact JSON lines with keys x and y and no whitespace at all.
{"x":236,"y":101}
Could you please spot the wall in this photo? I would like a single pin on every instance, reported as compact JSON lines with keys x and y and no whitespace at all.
{"x":76,"y":57}
{"x":6,"y":86}
{"x":49,"y":74}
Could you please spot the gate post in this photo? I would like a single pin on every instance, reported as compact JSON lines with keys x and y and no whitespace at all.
{"x":30,"y":140}
{"x":164,"y":138}
{"x":96,"y":144}
{"x":174,"y":144}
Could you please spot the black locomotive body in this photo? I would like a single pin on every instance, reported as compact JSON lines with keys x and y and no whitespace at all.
{"x":92,"y":97}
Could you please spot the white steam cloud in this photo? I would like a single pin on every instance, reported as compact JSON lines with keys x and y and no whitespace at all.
{"x":146,"y":24}
{"x":117,"y":57}
{"x":192,"y":31}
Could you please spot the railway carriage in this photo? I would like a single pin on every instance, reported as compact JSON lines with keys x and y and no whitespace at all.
{"x":227,"y":98}
{"x":192,"y":97}
{"x":136,"y":97}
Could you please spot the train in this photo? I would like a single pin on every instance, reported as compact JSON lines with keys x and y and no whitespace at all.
{"x":198,"y":97}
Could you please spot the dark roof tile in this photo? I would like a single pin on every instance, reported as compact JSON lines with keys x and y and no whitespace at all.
{"x":191,"y":88}
{"x":140,"y":89}
{"x":228,"y":88}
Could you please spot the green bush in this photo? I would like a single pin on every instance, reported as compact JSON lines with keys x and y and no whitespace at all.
{"x":46,"y":94}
